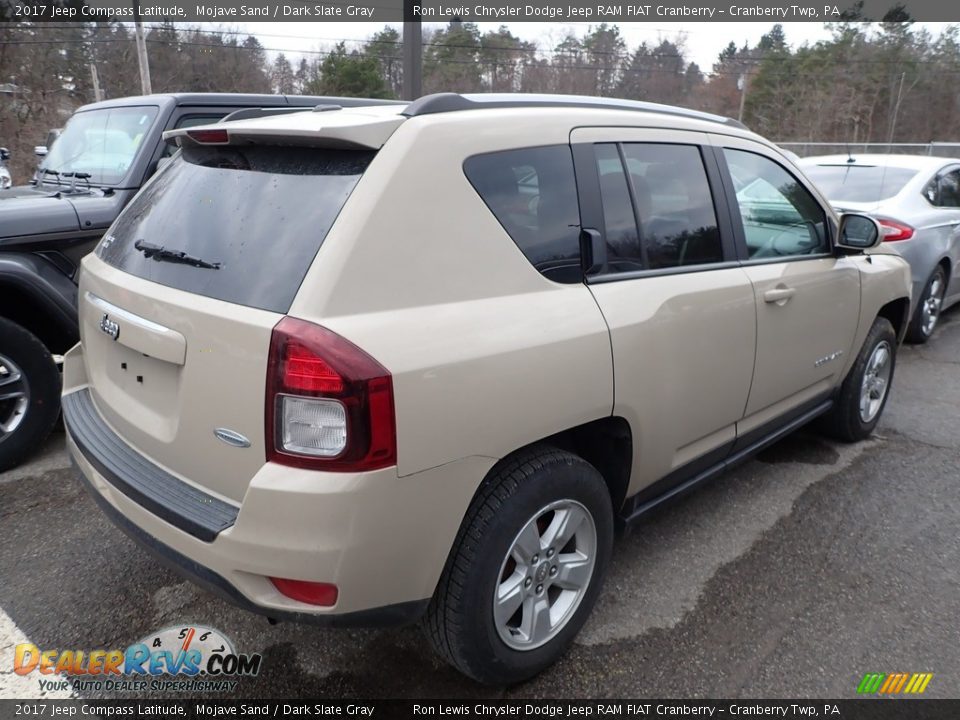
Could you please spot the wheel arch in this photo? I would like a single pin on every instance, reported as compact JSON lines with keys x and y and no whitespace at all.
{"x":39,"y":298}
{"x":947,"y":266}
{"x":38,"y":315}
{"x":605,"y":443}
{"x":898,"y":313}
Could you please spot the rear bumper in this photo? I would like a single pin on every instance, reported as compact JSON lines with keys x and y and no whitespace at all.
{"x":381,"y":539}
{"x":389,"y":615}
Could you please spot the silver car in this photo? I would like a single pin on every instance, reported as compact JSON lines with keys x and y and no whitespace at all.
{"x":917,"y":201}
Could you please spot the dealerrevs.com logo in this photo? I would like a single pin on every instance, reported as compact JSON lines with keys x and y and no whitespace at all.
{"x":176,"y":659}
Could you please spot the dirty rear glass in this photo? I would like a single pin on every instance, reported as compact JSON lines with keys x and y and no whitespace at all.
{"x":260,"y":212}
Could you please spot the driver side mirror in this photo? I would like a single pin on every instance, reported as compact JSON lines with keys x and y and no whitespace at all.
{"x":858,"y":233}
{"x":4,"y":154}
{"x":40,"y":151}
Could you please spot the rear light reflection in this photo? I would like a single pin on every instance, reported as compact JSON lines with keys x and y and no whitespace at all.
{"x":313,"y":593}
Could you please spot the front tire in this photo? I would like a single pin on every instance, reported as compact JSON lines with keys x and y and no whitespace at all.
{"x":864,"y":392}
{"x":525,"y":569}
{"x":29,"y":393}
{"x":927,"y":314}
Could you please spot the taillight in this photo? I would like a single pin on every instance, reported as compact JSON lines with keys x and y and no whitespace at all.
{"x":209,"y":137}
{"x":894,"y":230}
{"x":329,"y":405}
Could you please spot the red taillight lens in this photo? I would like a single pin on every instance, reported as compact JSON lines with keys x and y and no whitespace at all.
{"x":329,"y":405}
{"x":305,"y":372}
{"x":209,"y":137}
{"x":315,"y":593}
{"x":894,"y":230}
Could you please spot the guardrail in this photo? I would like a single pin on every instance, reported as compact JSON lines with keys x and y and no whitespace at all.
{"x":938,"y":149}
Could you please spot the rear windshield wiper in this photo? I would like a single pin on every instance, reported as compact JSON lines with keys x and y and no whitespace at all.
{"x":158,"y":252}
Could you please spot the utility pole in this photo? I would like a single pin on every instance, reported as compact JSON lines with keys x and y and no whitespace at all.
{"x":97,"y":93}
{"x":142,"y":60}
{"x":896,"y":111}
{"x":742,"y":86}
{"x":412,"y":52}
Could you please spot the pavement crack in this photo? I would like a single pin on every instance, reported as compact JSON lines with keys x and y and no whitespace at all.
{"x":927,"y":443}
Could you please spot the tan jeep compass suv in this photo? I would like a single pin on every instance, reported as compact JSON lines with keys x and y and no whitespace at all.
{"x":380,"y":364}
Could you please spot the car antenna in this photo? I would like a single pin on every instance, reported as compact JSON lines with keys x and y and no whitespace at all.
{"x":850,"y":158}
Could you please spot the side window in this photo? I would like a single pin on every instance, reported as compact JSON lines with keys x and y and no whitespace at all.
{"x":780,"y":217}
{"x":533,"y":193}
{"x":620,"y":224}
{"x":678,"y":225}
{"x":950,"y":189}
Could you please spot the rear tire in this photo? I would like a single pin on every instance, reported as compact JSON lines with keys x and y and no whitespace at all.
{"x":502,"y":614}
{"x":29,"y":394}
{"x":927,"y":314}
{"x":864,"y":392}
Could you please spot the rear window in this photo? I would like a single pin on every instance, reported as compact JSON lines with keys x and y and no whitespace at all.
{"x":858,"y":183}
{"x":260,"y":212}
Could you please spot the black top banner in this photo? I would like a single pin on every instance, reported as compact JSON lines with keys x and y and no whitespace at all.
{"x":492,"y":709}
{"x":484,"y":11}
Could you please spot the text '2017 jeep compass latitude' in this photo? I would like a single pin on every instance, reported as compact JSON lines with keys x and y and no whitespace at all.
{"x":375,"y":365}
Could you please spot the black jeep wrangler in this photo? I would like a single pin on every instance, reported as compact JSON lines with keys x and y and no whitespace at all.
{"x":106,"y":152}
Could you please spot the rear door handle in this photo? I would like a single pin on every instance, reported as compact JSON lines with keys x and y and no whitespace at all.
{"x":779,"y":295}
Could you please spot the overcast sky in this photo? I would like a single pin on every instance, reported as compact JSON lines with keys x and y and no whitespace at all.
{"x":703,"y":40}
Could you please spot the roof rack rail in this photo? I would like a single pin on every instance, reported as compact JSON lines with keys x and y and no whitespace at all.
{"x":248,"y":113}
{"x":452,"y":102}
{"x":331,"y":103}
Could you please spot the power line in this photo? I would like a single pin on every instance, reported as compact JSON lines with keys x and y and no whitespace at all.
{"x":623,"y":56}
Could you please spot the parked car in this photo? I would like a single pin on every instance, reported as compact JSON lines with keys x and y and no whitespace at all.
{"x":917,"y":200}
{"x":41,"y":151}
{"x":347,"y":368}
{"x":5,"y":180}
{"x":106,"y":152}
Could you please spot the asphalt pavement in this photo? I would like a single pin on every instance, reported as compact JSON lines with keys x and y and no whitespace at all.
{"x":791,"y":576}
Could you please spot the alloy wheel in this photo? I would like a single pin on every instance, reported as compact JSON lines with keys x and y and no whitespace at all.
{"x":14,"y":396}
{"x":876,"y":381}
{"x":930,"y":312}
{"x":545,"y":575}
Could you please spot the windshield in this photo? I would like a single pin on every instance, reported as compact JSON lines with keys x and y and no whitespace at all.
{"x":102,"y":143}
{"x":258,"y":213}
{"x":859,"y":183}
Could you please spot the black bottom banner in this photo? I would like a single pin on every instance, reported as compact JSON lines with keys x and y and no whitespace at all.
{"x":874,"y":709}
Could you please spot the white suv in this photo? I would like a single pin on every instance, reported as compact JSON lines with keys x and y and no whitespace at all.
{"x":382,"y":364}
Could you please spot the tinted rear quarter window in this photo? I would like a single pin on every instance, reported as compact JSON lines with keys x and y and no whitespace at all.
{"x":262,"y":212}
{"x":533,"y":194}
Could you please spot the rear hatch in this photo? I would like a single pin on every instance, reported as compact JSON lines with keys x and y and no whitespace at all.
{"x":178,"y":304}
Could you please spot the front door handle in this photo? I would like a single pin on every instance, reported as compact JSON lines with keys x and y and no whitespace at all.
{"x":779,"y":295}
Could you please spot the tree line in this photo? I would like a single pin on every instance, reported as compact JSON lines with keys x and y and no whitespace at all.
{"x":881,"y":82}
